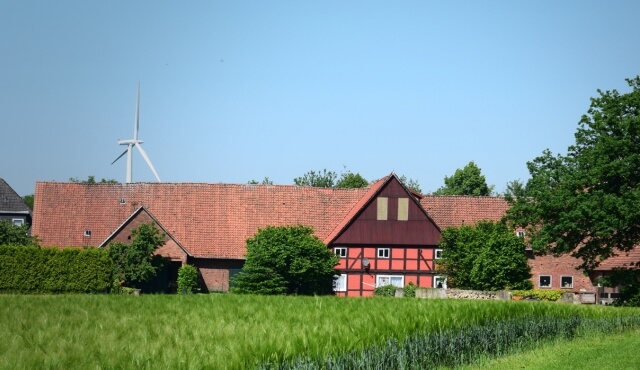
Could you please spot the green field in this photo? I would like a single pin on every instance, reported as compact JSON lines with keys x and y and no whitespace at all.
{"x":602,"y":352}
{"x":229,"y":331}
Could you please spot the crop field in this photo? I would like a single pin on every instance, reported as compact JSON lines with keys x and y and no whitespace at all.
{"x":226,"y":331}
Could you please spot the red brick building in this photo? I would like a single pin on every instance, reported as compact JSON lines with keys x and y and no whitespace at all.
{"x":384,"y":233}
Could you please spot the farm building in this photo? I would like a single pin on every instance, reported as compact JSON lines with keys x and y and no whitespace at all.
{"x":384,"y":233}
{"x":12,"y":206}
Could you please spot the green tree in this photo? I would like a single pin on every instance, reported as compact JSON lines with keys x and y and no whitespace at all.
{"x":265,"y":181}
{"x":351,"y":180}
{"x":286,"y":260}
{"x":466,"y":181}
{"x":135,"y":264}
{"x":324,"y":179}
{"x":15,"y":235}
{"x":92,"y":180}
{"x":514,"y":189}
{"x":28,"y":200}
{"x":188,"y":279}
{"x":487,"y":256}
{"x":587,"y":202}
{"x":411,"y":184}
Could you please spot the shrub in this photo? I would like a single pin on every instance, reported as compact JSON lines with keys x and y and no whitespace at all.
{"x":385,"y":291}
{"x":410,"y":290}
{"x":52,"y":270}
{"x":187,"y":279}
{"x":545,"y":295}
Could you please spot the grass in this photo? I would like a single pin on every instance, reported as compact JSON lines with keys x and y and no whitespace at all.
{"x":615,"y":352}
{"x":225,"y":331}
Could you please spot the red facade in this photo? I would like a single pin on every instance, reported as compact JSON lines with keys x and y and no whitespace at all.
{"x":391,"y":240}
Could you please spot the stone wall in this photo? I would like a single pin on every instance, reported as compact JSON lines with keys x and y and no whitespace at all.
{"x":461,"y":294}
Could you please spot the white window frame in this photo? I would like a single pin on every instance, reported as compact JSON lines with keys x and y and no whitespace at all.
{"x":435,"y":254}
{"x":340,"y":252}
{"x":340,"y":283}
{"x":17,"y":222}
{"x":380,"y":280}
{"x":540,"y":281}
{"x":562,"y":284}
{"x":520,"y":233}
{"x":441,"y":278}
{"x":382,"y":251}
{"x":87,"y":233}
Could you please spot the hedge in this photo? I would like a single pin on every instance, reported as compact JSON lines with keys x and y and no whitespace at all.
{"x":52,"y":270}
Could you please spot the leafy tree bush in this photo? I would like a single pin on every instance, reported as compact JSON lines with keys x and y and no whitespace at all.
{"x":385,"y":291}
{"x":586,"y":202}
{"x":487,"y":256}
{"x":326,"y":179}
{"x":411,"y":184}
{"x":628,"y":280}
{"x":286,"y":260}
{"x":543,"y":294}
{"x":350,"y":180}
{"x":410,"y":290}
{"x":15,"y":235}
{"x":187,"y":279}
{"x":134,"y":264}
{"x":466,"y":181}
{"x":28,"y":269}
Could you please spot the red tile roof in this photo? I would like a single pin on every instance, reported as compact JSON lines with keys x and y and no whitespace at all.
{"x":457,"y":210}
{"x":209,"y":220}
{"x":623,"y":259}
{"x":357,"y":207}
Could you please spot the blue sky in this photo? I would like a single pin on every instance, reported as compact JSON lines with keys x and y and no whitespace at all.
{"x":239,"y":90}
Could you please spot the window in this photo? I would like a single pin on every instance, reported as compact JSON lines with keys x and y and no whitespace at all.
{"x":340,"y":251}
{"x":340,"y":283}
{"x":520,"y":233}
{"x":383,"y":252}
{"x":403,"y":209}
{"x":566,"y":282}
{"x":440,"y":282}
{"x":17,"y":222}
{"x":87,"y":233}
{"x":437,"y":254}
{"x":382,"y":208}
{"x":395,"y":280}
{"x":122,"y":201}
{"x":544,"y":281}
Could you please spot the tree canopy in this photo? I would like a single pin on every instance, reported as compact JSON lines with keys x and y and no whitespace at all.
{"x":411,"y":184}
{"x":15,"y":235}
{"x":135,"y":264}
{"x":286,"y":260}
{"x":351,"y":180}
{"x":487,"y":256}
{"x":587,"y":202}
{"x":92,"y":180}
{"x":265,"y":181}
{"x":466,"y":181}
{"x":324,"y":179}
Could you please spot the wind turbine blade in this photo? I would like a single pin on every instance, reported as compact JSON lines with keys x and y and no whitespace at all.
{"x":137,"y":119}
{"x":146,"y":158}
{"x":120,"y":156}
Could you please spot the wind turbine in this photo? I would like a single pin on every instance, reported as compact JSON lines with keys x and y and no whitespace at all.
{"x":135,"y":143}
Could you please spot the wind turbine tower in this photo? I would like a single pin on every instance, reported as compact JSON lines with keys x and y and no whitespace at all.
{"x":135,"y":143}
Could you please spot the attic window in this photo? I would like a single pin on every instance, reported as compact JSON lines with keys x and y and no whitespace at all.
{"x":520,"y":233}
{"x":122,"y":201}
{"x":382,"y":208}
{"x":403,"y":209}
{"x":87,"y":233}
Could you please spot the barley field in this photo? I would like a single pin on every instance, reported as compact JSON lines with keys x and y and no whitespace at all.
{"x":227,"y":331}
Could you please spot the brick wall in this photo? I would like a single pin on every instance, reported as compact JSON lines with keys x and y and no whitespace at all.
{"x":215,"y":272}
{"x":557,"y":267}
